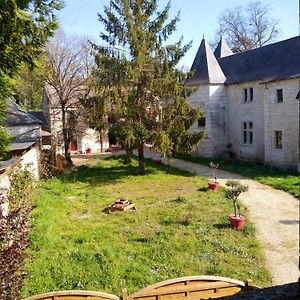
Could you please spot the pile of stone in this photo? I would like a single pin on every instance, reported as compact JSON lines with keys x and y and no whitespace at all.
{"x":121,"y":205}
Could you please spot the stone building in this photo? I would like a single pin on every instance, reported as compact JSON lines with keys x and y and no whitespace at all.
{"x":26,"y":134}
{"x":249,"y":100}
{"x":83,"y":137}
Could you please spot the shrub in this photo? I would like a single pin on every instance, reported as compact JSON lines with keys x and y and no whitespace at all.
{"x":14,"y":229}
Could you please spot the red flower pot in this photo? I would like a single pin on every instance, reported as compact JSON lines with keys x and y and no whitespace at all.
{"x":213,"y":186}
{"x":158,"y":162}
{"x":228,"y":161}
{"x":236,"y":221}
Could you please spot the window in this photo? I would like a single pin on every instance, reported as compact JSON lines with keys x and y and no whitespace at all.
{"x":201,"y":122}
{"x":247,"y":133}
{"x":279,"y":96}
{"x":278,"y":139}
{"x":245,"y":95}
{"x":248,"y":95}
{"x":251,"y":94}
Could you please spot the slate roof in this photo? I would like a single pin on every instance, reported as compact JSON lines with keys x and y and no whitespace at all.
{"x":17,"y":116}
{"x":273,"y":62}
{"x":21,"y":145}
{"x":205,"y":67}
{"x":4,"y":164}
{"x":222,"y":49}
{"x":40,"y":115}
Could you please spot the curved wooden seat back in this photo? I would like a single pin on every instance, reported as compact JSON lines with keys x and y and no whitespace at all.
{"x":192,"y":287}
{"x":74,"y":295}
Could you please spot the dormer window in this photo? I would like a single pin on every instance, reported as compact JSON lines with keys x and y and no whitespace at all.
{"x":248,"y":94}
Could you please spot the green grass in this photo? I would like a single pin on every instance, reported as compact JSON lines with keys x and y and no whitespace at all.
{"x":179,"y":229}
{"x":281,"y":180}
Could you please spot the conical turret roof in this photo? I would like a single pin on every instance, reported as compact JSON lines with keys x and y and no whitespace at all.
{"x":222,"y":49}
{"x":205,"y":67}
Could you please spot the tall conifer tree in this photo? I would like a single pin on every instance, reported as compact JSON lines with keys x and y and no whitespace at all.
{"x":140,"y":79}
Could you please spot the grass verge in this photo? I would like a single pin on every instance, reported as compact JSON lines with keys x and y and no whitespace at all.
{"x":179,"y":228}
{"x":286,"y":181}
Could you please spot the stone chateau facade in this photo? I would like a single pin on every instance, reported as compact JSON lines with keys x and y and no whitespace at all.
{"x":250,"y":102}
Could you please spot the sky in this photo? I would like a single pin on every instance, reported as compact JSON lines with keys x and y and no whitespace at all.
{"x":198,"y":18}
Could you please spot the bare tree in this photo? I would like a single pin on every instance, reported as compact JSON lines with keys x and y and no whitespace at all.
{"x":246,"y":28}
{"x":67,"y":73}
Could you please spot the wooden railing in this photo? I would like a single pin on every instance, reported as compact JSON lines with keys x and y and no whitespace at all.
{"x":184,"y":288}
{"x":74,"y":295}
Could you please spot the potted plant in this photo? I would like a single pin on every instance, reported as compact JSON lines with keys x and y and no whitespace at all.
{"x":158,"y":161}
{"x":235,"y":188}
{"x":214,"y":185}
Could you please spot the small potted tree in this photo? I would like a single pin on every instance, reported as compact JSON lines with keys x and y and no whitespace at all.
{"x":235,"y":188}
{"x":213,"y":185}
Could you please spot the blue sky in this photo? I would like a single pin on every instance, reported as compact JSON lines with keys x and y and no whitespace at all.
{"x":198,"y":18}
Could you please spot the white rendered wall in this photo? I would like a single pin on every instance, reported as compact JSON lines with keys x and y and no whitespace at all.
{"x":30,"y":161}
{"x":91,"y":139}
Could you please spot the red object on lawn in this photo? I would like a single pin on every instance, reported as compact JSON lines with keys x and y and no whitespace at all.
{"x":213,"y":186}
{"x":158,"y":162}
{"x":228,"y":161}
{"x":88,"y":150}
{"x":237,"y":222}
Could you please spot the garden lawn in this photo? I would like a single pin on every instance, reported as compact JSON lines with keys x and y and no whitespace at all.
{"x":279,"y":179}
{"x":179,"y":229}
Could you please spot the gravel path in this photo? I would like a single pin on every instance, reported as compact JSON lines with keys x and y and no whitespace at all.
{"x":275,"y":215}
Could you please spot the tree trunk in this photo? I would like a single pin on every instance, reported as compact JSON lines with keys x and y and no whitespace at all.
{"x":141,"y":159}
{"x":65,"y":135}
{"x":101,"y":139}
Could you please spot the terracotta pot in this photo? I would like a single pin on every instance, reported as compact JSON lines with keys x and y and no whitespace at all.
{"x":213,"y":186}
{"x":236,"y":221}
{"x":228,"y":161}
{"x":158,"y":162}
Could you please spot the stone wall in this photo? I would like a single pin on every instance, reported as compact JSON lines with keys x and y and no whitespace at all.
{"x":240,"y":111}
{"x":282,"y":117}
{"x":211,"y":100}
{"x":226,"y":111}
